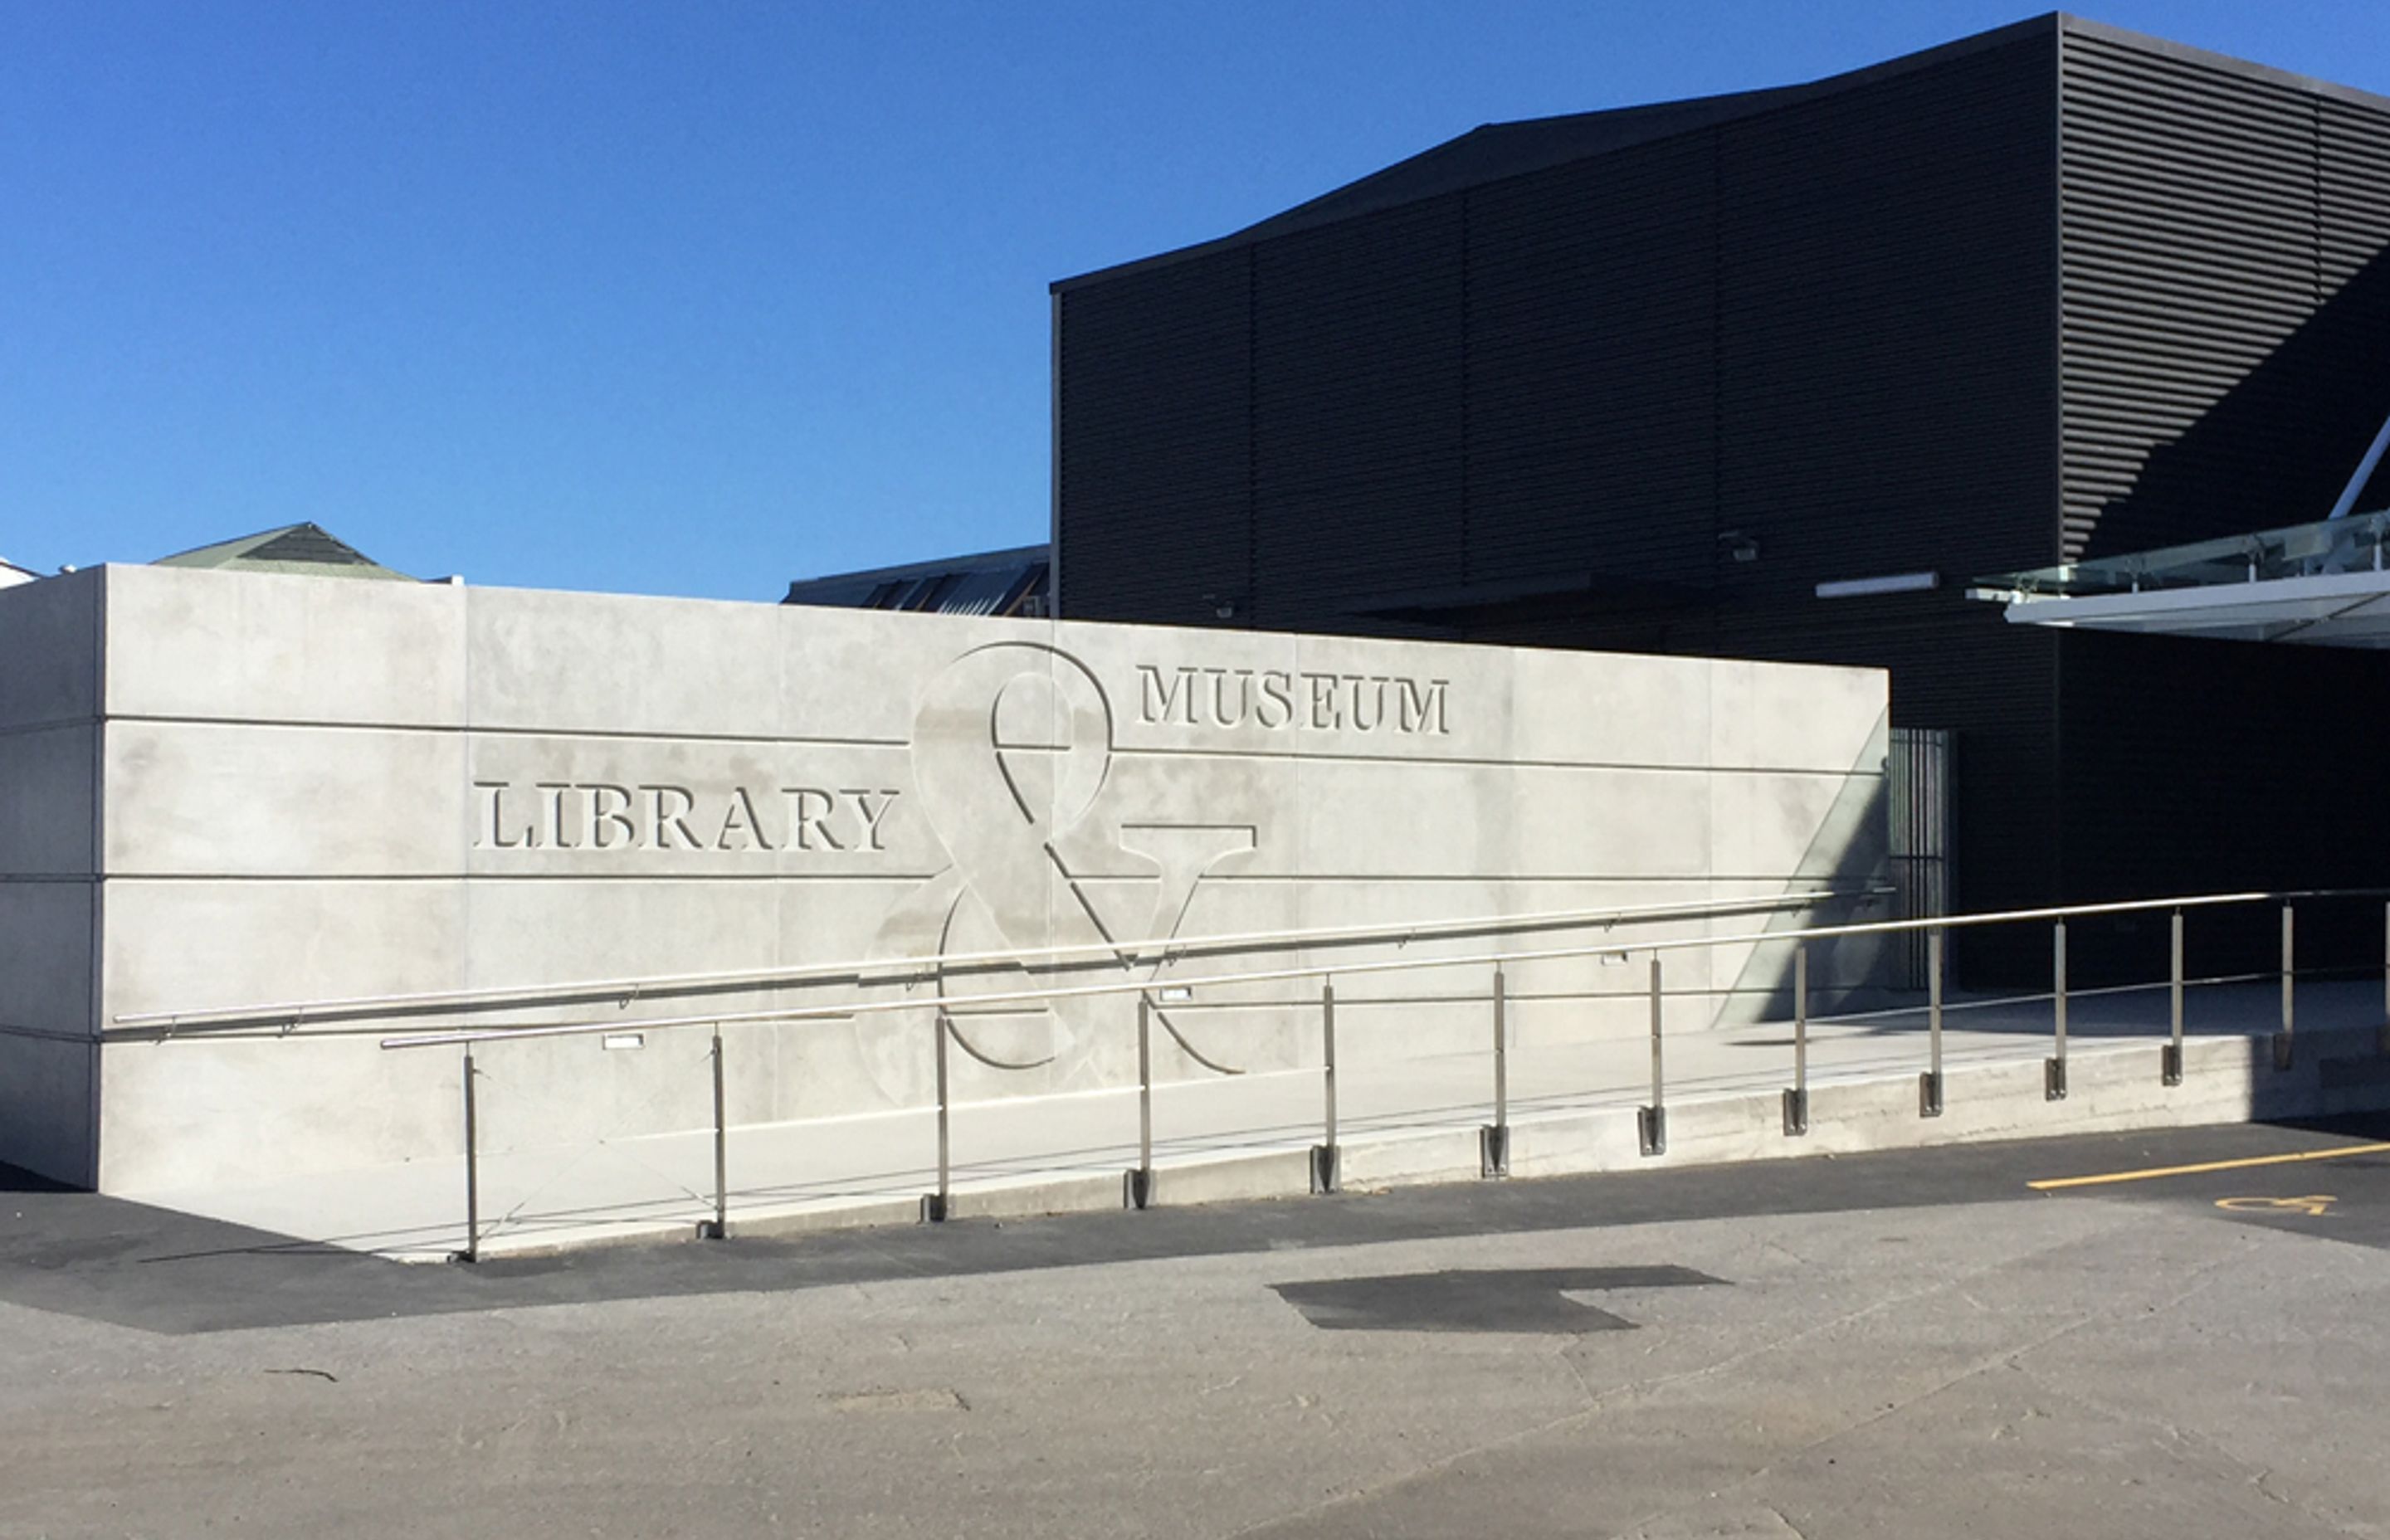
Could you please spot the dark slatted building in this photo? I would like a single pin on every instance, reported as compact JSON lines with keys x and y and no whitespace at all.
{"x":1645,"y":378}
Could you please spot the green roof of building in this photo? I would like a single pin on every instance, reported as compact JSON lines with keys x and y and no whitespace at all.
{"x":304,"y":549}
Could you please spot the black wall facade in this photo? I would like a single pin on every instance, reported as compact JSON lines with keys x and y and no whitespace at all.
{"x":2226,"y":360}
{"x":1968,"y":312}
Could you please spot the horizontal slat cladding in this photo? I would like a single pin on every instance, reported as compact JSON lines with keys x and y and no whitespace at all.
{"x":2225,"y":322}
{"x":1154,"y":463}
{"x":2354,"y":186}
{"x":2354,"y":189}
{"x":1358,"y":412}
{"x":2223,"y":316}
{"x":1885,"y":385}
{"x":1592,"y":441}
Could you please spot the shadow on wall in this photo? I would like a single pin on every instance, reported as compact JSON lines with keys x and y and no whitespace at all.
{"x":1851,"y":851}
{"x":2201,"y":765}
{"x":2279,"y":445}
{"x":16,"y":1179}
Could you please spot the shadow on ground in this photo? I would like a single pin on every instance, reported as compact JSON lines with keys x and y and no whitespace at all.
{"x":153,"y":1269}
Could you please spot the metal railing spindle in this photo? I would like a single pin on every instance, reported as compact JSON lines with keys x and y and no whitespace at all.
{"x":1653,"y":1119}
{"x":1929,"y":1086}
{"x":1494,"y":1141}
{"x":1323,"y":1156}
{"x":2053,"y":1079}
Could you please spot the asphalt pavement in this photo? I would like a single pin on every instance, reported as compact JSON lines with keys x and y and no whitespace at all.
{"x":2170,"y":1333}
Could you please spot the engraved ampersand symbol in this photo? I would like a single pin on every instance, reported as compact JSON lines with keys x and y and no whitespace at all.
{"x":1012,"y":761}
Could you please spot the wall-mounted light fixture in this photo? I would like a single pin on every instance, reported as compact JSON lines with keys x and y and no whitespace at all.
{"x":1899,"y":583}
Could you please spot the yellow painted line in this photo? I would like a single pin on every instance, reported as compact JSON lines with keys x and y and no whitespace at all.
{"x":2054,"y":1183}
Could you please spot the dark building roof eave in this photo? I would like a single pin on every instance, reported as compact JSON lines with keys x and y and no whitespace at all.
{"x":1544,"y":142}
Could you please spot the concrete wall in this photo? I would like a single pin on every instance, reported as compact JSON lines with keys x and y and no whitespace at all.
{"x":318,"y":789}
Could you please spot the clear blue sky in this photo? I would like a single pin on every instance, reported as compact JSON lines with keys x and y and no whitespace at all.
{"x":697,"y":298}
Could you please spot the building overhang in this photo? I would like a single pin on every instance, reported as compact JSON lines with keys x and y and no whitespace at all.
{"x":2325,"y":583}
{"x":2333,"y":610}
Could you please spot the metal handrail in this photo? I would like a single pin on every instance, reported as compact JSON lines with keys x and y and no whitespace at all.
{"x":1331,"y":971}
{"x":897,"y":970}
{"x":1493,"y":1139}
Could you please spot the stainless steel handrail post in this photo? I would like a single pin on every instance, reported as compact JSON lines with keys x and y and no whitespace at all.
{"x":720,"y":1230}
{"x":1929,"y":1084}
{"x":1796,"y":1100}
{"x":1139,"y":1193}
{"x":2053,"y":1077}
{"x":1494,"y":1141}
{"x":936,"y":1206}
{"x":2282,"y":1038}
{"x":472,"y":1251}
{"x":2170,"y":1063}
{"x":1652,"y":1123}
{"x":1323,"y":1156}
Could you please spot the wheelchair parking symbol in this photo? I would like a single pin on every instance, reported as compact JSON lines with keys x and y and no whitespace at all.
{"x":2315,"y":1206}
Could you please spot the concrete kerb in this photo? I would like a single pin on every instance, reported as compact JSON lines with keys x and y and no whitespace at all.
{"x":2113,"y":1088}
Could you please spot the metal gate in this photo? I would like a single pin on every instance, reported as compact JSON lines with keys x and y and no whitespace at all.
{"x":1916,"y":778}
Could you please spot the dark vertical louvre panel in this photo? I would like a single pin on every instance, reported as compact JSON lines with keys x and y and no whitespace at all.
{"x":1155,"y":442}
{"x":1357,"y":412}
{"x":1885,"y":399}
{"x":1592,"y":328}
{"x":1887,"y":404}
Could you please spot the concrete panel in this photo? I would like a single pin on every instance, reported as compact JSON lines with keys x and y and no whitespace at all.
{"x":650,"y":787}
{"x":244,"y":800}
{"x":620,"y":930}
{"x":573,"y":1094}
{"x":1634,"y":711}
{"x":198,"y":944}
{"x":45,"y":965}
{"x":46,"y":788}
{"x":1789,"y":716}
{"x":50,"y":635}
{"x":249,"y":646}
{"x":48,"y":1108}
{"x":607,"y":663}
{"x":1767,"y":823}
{"x":183,"y":1114}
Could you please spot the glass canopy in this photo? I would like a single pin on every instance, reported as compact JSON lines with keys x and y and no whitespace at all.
{"x":2319,"y":584}
{"x":2331,"y":545}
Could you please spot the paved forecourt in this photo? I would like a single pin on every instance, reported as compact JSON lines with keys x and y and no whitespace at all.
{"x":2175,"y":1342}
